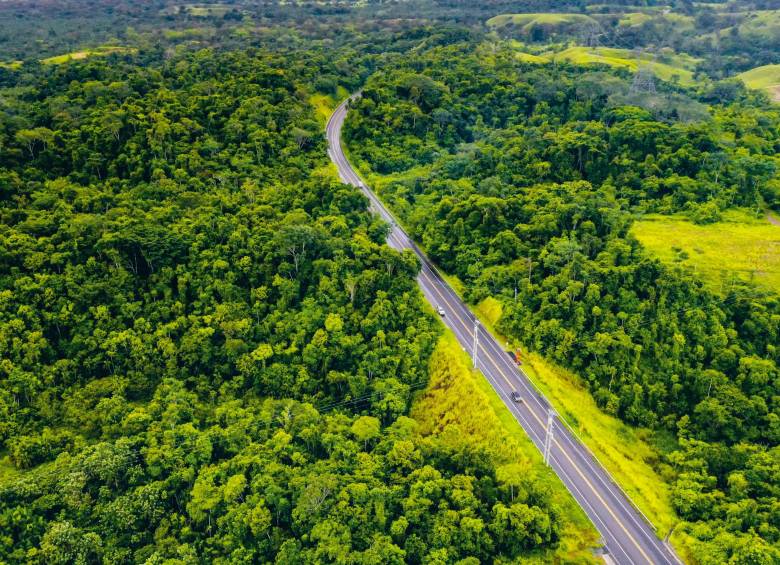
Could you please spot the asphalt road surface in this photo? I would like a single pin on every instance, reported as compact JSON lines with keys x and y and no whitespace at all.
{"x":628,"y":538}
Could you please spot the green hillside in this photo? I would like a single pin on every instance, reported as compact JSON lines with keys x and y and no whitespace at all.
{"x":665,"y":67}
{"x":765,"y":78}
{"x":541,"y":25}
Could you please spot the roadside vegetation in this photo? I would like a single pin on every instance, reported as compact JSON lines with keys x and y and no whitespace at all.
{"x":632,"y":456}
{"x":459,"y":403}
{"x":324,"y":104}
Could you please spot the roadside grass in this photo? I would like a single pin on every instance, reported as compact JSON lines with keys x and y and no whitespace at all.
{"x":77,"y":55}
{"x":631,"y":455}
{"x":740,"y":246}
{"x":763,"y":78}
{"x":324,"y":104}
{"x":392,"y":189}
{"x":627,"y":453}
{"x":459,"y":404}
{"x":666,"y":67}
{"x":489,"y":311}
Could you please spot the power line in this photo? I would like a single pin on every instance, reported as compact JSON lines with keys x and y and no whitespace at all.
{"x":327,"y":407}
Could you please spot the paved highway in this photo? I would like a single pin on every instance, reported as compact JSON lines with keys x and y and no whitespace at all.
{"x":628,"y":538}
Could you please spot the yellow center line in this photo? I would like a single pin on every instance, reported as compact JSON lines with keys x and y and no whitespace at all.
{"x":560,"y":448}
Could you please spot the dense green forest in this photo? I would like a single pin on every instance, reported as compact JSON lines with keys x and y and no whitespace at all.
{"x":208,"y":353}
{"x":523,"y":181}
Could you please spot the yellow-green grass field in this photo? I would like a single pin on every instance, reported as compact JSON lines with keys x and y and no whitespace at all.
{"x":741,"y":246}
{"x":763,"y":78}
{"x":633,"y":19}
{"x":531,"y":58}
{"x":77,"y":55}
{"x":198,"y":10}
{"x":13,"y":65}
{"x":665,"y":67}
{"x":460,"y":405}
{"x":528,"y":21}
{"x":205,"y":10}
{"x":761,"y":23}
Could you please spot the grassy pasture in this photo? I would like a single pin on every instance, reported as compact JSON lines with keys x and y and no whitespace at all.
{"x":77,"y":55}
{"x":198,"y":10}
{"x":761,"y":23}
{"x":528,"y":21}
{"x":665,"y":67}
{"x":740,"y":246}
{"x":633,"y":19}
{"x":763,"y":78}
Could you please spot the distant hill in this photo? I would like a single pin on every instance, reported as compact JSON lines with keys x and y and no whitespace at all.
{"x":540,"y":26}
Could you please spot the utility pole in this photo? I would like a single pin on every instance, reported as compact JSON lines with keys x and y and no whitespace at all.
{"x":476,"y":341}
{"x":548,"y":439}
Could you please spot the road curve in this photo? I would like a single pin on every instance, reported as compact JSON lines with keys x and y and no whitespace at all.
{"x":628,"y":538}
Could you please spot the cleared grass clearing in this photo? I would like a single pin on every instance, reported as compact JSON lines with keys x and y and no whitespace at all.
{"x":460,"y":404}
{"x":763,"y":78}
{"x":527,"y":21}
{"x":78,"y":55}
{"x":205,"y":10}
{"x":740,"y":246}
{"x":324,"y":105}
{"x":634,"y":19}
{"x":761,"y":23}
{"x":12,"y":65}
{"x":198,"y":10}
{"x":531,"y":58}
{"x":666,"y":67}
